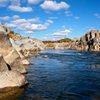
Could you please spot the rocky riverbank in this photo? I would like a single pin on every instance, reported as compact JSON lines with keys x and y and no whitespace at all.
{"x":89,"y":42}
{"x":14,"y":51}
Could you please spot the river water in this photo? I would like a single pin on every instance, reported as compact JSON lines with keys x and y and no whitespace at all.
{"x":64,"y":75}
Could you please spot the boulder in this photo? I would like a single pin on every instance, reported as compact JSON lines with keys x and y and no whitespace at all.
{"x":11,"y":79}
{"x":18,"y":66}
{"x":3,"y":65}
{"x":45,"y":56}
{"x":11,"y":57}
{"x":14,"y":60}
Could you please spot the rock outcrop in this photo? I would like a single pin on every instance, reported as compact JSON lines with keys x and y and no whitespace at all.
{"x":27,"y":45}
{"x":11,"y":65}
{"x":9,"y":53}
{"x":9,"y":77}
{"x":13,"y":52}
{"x":89,"y":42}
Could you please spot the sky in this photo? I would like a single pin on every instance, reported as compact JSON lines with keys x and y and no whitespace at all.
{"x":50,"y":19}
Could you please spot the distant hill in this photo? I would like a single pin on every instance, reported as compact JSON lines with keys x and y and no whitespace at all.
{"x":59,"y":41}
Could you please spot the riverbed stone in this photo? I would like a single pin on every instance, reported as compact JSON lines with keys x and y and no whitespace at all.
{"x":11,"y":79}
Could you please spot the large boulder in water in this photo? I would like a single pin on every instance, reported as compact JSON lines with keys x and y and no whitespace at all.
{"x":8,"y":77}
{"x":18,"y":65}
{"x":11,"y":79}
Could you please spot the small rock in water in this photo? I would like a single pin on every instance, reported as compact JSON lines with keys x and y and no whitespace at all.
{"x":45,"y":56}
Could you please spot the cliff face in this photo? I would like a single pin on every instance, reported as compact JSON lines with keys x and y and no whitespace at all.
{"x":89,"y":42}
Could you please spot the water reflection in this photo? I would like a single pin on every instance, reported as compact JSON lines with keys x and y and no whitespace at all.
{"x":95,"y":66}
{"x":11,"y":93}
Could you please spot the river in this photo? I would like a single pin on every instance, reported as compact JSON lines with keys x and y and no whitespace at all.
{"x":64,"y":75}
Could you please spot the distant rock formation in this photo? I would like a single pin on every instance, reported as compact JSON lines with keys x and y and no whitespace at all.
{"x":89,"y":42}
{"x":58,"y":44}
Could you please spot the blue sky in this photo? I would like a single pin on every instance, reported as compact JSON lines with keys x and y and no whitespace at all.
{"x":51,"y":19}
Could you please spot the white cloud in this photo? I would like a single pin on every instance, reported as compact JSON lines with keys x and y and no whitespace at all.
{"x":33,"y":1}
{"x":20,"y":9}
{"x":5,"y":18}
{"x":68,"y":13}
{"x":50,"y":21}
{"x":97,"y":15}
{"x":15,"y":2}
{"x":77,"y":17}
{"x":3,"y":3}
{"x":16,"y":17}
{"x":63,"y":26}
{"x":19,"y":21}
{"x":58,"y":34}
{"x":52,"y":18}
{"x":15,"y":5}
{"x":54,"y":6}
{"x":29,"y":32}
{"x":64,"y":32}
{"x":28,"y":25}
{"x":11,"y":25}
{"x":34,"y":20}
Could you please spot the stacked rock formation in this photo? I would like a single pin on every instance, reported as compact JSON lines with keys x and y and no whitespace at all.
{"x":89,"y":42}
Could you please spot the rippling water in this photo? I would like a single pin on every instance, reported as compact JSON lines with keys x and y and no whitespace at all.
{"x":64,"y":75}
